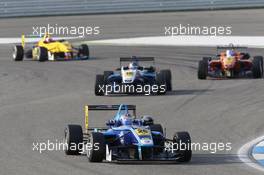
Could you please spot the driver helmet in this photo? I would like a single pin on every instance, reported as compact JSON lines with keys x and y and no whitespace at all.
{"x":126,"y":119}
{"x":230,"y":53}
{"x":133,"y":65}
{"x":147,"y":120}
{"x":48,"y":39}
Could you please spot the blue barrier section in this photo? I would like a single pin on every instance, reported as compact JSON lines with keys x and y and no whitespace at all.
{"x":258,"y":153}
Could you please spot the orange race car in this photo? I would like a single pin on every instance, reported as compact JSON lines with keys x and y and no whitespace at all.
{"x":231,"y":63}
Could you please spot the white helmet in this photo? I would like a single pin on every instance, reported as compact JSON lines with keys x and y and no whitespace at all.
{"x":48,"y":39}
{"x":126,"y":119}
{"x":133,"y":65}
{"x":230,"y":53}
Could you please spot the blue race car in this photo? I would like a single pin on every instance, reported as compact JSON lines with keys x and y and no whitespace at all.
{"x":126,"y":138}
{"x":134,"y":79}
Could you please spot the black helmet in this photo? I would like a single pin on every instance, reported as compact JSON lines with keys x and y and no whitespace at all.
{"x":147,"y":120}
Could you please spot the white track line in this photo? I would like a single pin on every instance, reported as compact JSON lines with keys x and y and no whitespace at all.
{"x":187,"y":40}
{"x":244,"y":154}
{"x":199,"y":41}
{"x":30,"y":40}
{"x":258,"y":156}
{"x":261,"y":144}
{"x":258,"y":153}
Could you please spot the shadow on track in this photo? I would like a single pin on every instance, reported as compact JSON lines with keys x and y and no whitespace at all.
{"x":215,"y":159}
{"x":197,"y":159}
{"x":188,"y":92}
{"x":171,"y":93}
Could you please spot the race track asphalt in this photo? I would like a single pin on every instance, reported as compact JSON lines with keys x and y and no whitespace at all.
{"x":37,"y":100}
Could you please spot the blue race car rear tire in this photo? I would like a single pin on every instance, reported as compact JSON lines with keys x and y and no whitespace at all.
{"x":167,"y":77}
{"x":73,"y":138}
{"x":161,"y":82}
{"x":158,"y":139}
{"x":98,"y":150}
{"x":183,"y":138}
{"x":156,"y":127}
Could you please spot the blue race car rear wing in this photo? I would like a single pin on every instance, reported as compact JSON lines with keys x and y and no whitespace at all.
{"x":123,"y":59}
{"x":137,"y":59}
{"x":118,"y":108}
{"x":110,"y":107}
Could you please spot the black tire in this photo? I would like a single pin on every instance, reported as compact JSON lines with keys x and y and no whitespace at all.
{"x":73,"y":139}
{"x":261,"y":61}
{"x":18,"y":53}
{"x":202,"y":69}
{"x":42,"y":54}
{"x":98,"y":151}
{"x":151,"y":69}
{"x":107,"y":74}
{"x":157,"y":139}
{"x":186,"y":152}
{"x":147,"y":120}
{"x":99,"y":83}
{"x":161,"y":82}
{"x":167,"y":76}
{"x":84,"y":50}
{"x":156,"y":127}
{"x":246,"y":56}
{"x":207,"y":59}
{"x":257,"y":67}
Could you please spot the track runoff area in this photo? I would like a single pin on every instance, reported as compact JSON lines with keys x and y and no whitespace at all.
{"x":250,"y":153}
{"x":256,"y":148}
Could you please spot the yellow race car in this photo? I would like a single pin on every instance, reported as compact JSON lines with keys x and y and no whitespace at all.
{"x":48,"y":49}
